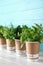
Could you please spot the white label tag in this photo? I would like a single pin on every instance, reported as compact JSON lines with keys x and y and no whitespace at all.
{"x":10,"y":48}
{"x":19,"y":52}
{"x":32,"y":55}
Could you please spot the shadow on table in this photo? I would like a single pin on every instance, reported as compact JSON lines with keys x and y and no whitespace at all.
{"x":41,"y":58}
{"x":41,"y":54}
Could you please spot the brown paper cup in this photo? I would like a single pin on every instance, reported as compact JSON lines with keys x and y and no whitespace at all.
{"x":10,"y":45}
{"x":32,"y":50}
{"x":18,"y":44}
{"x":2,"y":41}
{"x":18,"y":47}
